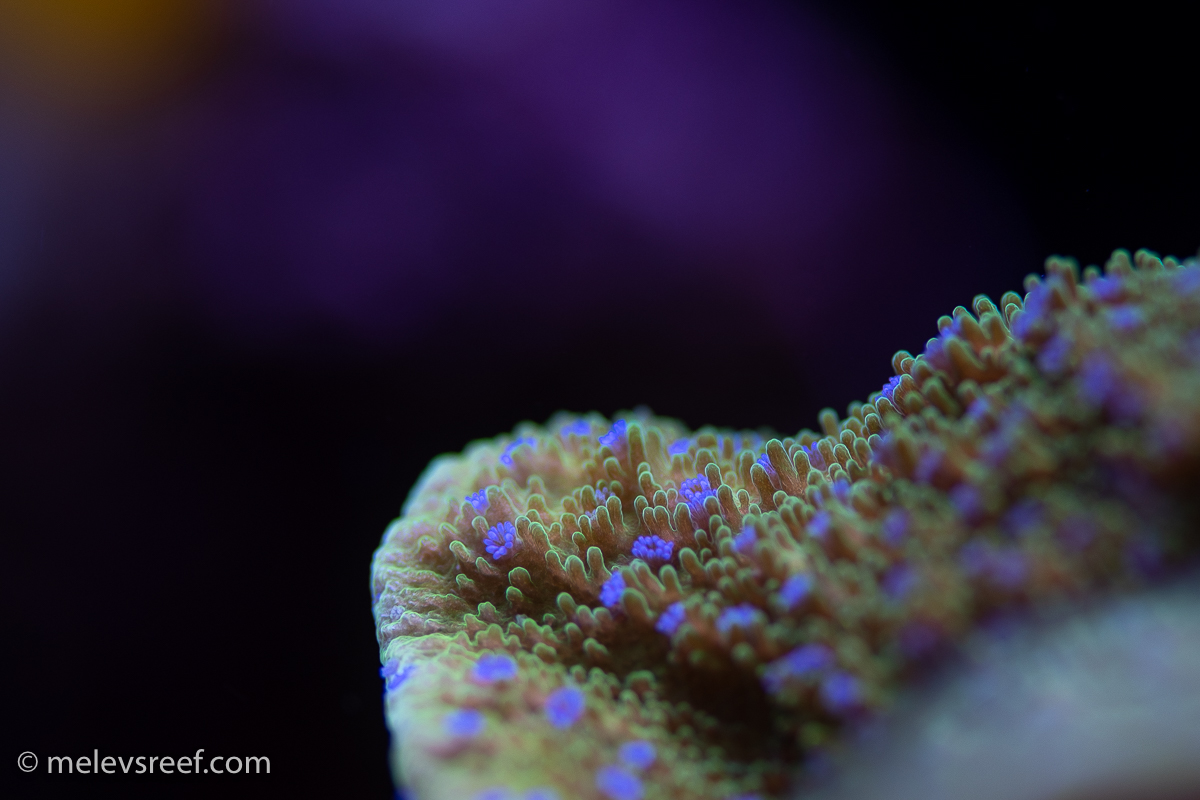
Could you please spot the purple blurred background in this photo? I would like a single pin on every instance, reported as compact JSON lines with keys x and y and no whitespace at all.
{"x":260,"y":263}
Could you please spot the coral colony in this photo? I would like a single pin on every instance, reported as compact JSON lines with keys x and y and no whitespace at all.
{"x":629,"y":609}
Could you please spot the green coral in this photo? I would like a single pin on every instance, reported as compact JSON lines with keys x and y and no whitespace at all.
{"x":1039,"y":449}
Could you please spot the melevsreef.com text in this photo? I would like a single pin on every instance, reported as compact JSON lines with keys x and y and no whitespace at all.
{"x":195,"y":764}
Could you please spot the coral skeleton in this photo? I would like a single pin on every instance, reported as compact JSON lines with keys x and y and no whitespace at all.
{"x":618,"y":609}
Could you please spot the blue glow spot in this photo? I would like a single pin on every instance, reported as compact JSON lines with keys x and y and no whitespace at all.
{"x":500,"y":540}
{"x":820,"y":525}
{"x":1009,"y":569}
{"x":671,"y":619}
{"x":478,"y":501}
{"x":694,"y":492}
{"x":739,"y":616}
{"x":801,"y":662}
{"x":615,"y":438}
{"x":541,"y":793}
{"x":764,"y":461}
{"x":1023,"y":517}
{"x":1039,"y":302}
{"x":492,"y":668}
{"x":889,"y":391}
{"x":602,"y":495}
{"x":968,"y":500}
{"x":1004,"y":567}
{"x":895,"y":527}
{"x":394,"y":675}
{"x":679,"y":447}
{"x":618,"y":784}
{"x":795,"y":590}
{"x":579,"y":427}
{"x":744,"y":542}
{"x":1106,"y":288}
{"x":815,"y":459}
{"x":980,"y":408}
{"x":1187,"y":279}
{"x":564,"y":706}
{"x":1055,"y":355}
{"x":840,"y":692}
{"x":652,"y":548}
{"x":610,"y":592}
{"x":1126,"y":318}
{"x":464,"y":722}
{"x":495,"y":793}
{"x":899,"y":581}
{"x":506,"y":457}
{"x":637,"y":755}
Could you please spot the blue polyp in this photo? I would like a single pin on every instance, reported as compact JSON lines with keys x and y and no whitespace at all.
{"x":927,"y":467}
{"x":1125,"y":318}
{"x":764,"y":461}
{"x":679,"y":447}
{"x":478,"y":501}
{"x":610,"y":592}
{"x":1106,"y":288}
{"x":803,"y":661}
{"x":495,"y":793}
{"x":671,"y":619}
{"x":968,"y":500}
{"x":506,"y":457}
{"x":638,"y":754}
{"x":744,"y":542}
{"x":1187,"y":280}
{"x":820,"y":525}
{"x":1009,"y":568}
{"x":1056,"y":354}
{"x":840,"y":692}
{"x":889,"y":391}
{"x":795,"y":590}
{"x":895,"y":527}
{"x":694,"y":492}
{"x":464,"y":723}
{"x":618,"y":784}
{"x":491,"y":668}
{"x":652,"y":549}
{"x":564,"y":706}
{"x":739,"y":616}
{"x":899,"y":581}
{"x":1005,"y":567}
{"x":615,"y":438}
{"x":579,"y":427}
{"x":500,"y":540}
{"x":815,"y":459}
{"x":394,"y":675}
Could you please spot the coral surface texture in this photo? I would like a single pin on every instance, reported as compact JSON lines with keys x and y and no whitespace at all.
{"x":623,"y":609}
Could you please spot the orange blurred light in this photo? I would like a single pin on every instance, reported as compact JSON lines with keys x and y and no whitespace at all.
{"x":97,"y":54}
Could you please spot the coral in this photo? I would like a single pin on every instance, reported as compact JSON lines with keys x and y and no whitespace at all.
{"x":625,"y":609}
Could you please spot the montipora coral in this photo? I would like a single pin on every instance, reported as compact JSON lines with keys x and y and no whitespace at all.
{"x":625,"y":609}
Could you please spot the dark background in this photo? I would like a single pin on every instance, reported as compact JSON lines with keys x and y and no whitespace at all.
{"x":196,"y":470}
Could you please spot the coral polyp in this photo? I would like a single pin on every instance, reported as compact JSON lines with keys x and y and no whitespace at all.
{"x":627,"y":608}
